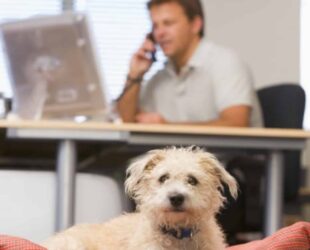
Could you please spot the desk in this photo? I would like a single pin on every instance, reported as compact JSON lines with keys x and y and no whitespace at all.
{"x":274,"y":141}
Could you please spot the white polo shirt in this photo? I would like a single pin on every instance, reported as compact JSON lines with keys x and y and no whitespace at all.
{"x":214,"y":79}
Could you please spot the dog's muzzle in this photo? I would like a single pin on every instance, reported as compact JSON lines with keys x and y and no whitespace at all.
{"x":177,"y":200}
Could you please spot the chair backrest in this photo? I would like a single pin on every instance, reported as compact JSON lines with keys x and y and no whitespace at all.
{"x":283,"y":106}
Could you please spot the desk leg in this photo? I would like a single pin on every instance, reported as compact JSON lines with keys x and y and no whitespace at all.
{"x":65,"y":194}
{"x":274,"y":193}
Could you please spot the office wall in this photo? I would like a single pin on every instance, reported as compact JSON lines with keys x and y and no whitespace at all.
{"x":264,"y":32}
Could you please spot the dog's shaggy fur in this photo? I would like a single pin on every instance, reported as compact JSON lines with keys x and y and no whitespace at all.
{"x":178,"y":193}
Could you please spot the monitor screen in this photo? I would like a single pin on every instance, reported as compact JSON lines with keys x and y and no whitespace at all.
{"x":53,"y":67}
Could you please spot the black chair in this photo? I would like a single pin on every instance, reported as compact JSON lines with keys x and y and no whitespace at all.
{"x":283,"y":107}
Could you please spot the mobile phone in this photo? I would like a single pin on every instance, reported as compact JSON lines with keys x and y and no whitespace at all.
{"x":153,"y":53}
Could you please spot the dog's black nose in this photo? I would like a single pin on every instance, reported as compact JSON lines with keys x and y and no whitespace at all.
{"x":176,"y":200}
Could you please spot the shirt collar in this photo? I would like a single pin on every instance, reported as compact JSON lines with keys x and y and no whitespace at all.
{"x":199,"y":55}
{"x":196,"y":60}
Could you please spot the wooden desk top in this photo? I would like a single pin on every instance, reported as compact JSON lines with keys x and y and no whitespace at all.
{"x":157,"y":128}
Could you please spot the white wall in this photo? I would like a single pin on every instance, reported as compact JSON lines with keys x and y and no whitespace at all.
{"x":264,"y":32}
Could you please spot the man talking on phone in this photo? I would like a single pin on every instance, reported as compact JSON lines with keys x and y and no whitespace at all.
{"x":202,"y":83}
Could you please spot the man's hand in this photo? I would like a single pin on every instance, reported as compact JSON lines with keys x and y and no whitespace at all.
{"x":145,"y":117}
{"x":141,"y":62}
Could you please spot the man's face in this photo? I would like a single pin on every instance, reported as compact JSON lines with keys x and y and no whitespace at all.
{"x":172,"y":30}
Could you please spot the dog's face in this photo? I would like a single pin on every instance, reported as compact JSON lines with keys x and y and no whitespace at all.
{"x":178,"y":185}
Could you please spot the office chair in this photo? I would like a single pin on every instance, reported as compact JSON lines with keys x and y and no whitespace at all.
{"x":283,"y":106}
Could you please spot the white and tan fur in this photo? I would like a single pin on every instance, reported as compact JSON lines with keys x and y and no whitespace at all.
{"x":195,"y":175}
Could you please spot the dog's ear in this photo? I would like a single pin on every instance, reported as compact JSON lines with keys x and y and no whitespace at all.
{"x":208,"y":159}
{"x":138,"y":170}
{"x":229,"y":180}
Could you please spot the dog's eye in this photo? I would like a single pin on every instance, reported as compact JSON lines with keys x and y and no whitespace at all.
{"x":192,"y":180}
{"x":163,"y":178}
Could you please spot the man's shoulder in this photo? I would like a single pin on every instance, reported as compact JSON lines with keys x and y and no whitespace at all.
{"x":220,"y":50}
{"x":222,"y":57}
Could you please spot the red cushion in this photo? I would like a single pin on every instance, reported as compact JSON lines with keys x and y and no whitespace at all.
{"x":295,"y":237}
{"x":16,"y":243}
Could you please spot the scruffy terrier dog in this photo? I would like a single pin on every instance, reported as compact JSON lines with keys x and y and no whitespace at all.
{"x":178,"y":193}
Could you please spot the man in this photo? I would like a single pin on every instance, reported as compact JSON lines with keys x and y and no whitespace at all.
{"x":201,"y":83}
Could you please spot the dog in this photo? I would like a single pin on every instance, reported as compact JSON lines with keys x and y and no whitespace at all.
{"x":178,"y":192}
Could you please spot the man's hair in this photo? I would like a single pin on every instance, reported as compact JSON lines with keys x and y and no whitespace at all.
{"x":192,"y":9}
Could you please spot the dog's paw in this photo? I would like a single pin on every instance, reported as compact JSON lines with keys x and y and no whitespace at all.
{"x":64,"y":243}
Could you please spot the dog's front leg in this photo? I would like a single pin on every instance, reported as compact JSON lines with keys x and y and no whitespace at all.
{"x":64,"y":243}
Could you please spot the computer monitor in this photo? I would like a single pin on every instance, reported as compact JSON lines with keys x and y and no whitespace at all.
{"x":53,"y":68}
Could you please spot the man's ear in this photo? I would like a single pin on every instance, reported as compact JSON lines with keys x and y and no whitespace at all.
{"x":197,"y":25}
{"x":138,"y":170}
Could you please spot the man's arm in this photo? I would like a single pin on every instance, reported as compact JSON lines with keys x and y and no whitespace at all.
{"x":140,"y":63}
{"x":234,"y":116}
{"x":127,"y":105}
